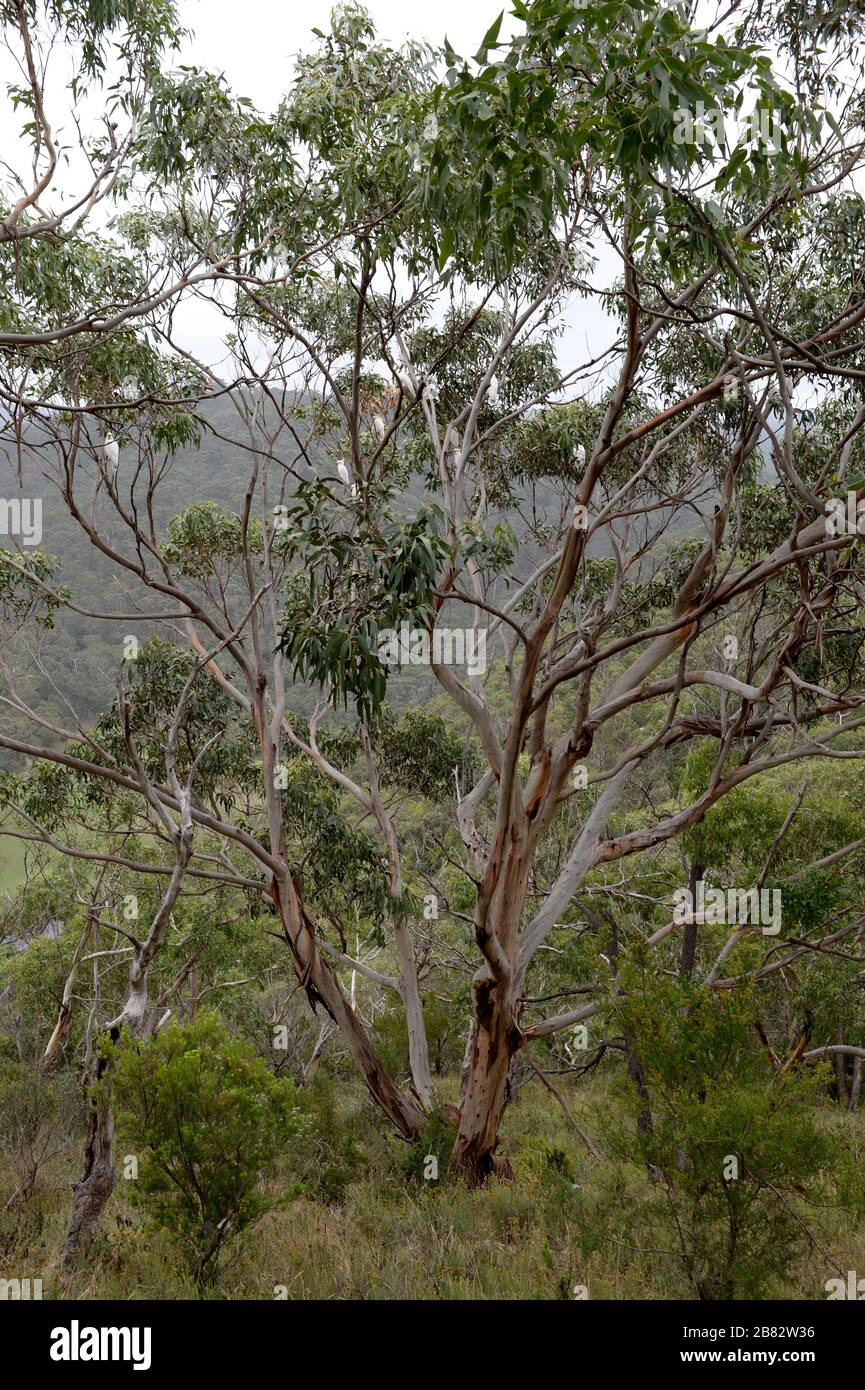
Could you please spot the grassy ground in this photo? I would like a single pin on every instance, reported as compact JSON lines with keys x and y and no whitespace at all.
{"x":11,"y":864}
{"x":396,"y":1238}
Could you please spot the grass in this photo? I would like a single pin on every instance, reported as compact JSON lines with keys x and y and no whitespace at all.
{"x":396,"y":1238}
{"x":11,"y":864}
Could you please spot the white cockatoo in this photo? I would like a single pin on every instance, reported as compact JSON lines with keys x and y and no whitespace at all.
{"x":431,"y":391}
{"x":110,"y":456}
{"x":379,"y":424}
{"x":579,"y":455}
{"x":345,"y":476}
{"x":405,"y":381}
{"x":493,"y":391}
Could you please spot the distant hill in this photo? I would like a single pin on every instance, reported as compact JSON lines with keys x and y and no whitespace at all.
{"x":79,"y":661}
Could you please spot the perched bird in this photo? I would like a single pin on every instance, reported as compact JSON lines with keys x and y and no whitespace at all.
{"x":405,"y":382}
{"x":579,"y":455}
{"x":345,"y":476}
{"x":493,"y":391}
{"x":110,"y":456}
{"x":380,"y":426}
{"x":431,"y":391}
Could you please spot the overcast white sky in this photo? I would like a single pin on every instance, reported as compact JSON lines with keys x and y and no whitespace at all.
{"x":253,"y":41}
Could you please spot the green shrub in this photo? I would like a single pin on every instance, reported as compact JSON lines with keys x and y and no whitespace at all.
{"x":444,"y":1036}
{"x":206,"y":1120}
{"x":331,"y":1155}
{"x":737,"y":1158}
{"x":435,"y":1141}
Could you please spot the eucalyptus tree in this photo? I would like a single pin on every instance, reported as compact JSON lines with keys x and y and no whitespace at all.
{"x":657,"y":607}
{"x":639,"y":536}
{"x":738,"y":304}
{"x":80,"y":76}
{"x":116,"y":398}
{"x":605,"y":124}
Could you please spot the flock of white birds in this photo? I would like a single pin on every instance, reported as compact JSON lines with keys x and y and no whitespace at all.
{"x":110,"y":449}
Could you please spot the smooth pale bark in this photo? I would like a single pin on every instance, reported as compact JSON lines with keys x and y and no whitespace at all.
{"x":96,"y":1184}
{"x":311,"y":967}
{"x":409,"y":985}
{"x":835,"y":1047}
{"x":56,"y":1042}
{"x":418,"y":1047}
{"x":325,"y":1032}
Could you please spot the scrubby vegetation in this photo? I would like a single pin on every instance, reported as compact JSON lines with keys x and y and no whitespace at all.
{"x":366,"y":1225}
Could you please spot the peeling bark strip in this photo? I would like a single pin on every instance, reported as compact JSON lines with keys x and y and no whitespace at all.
{"x":485,"y":1091}
{"x":322,"y":986}
{"x":496,"y":1034}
